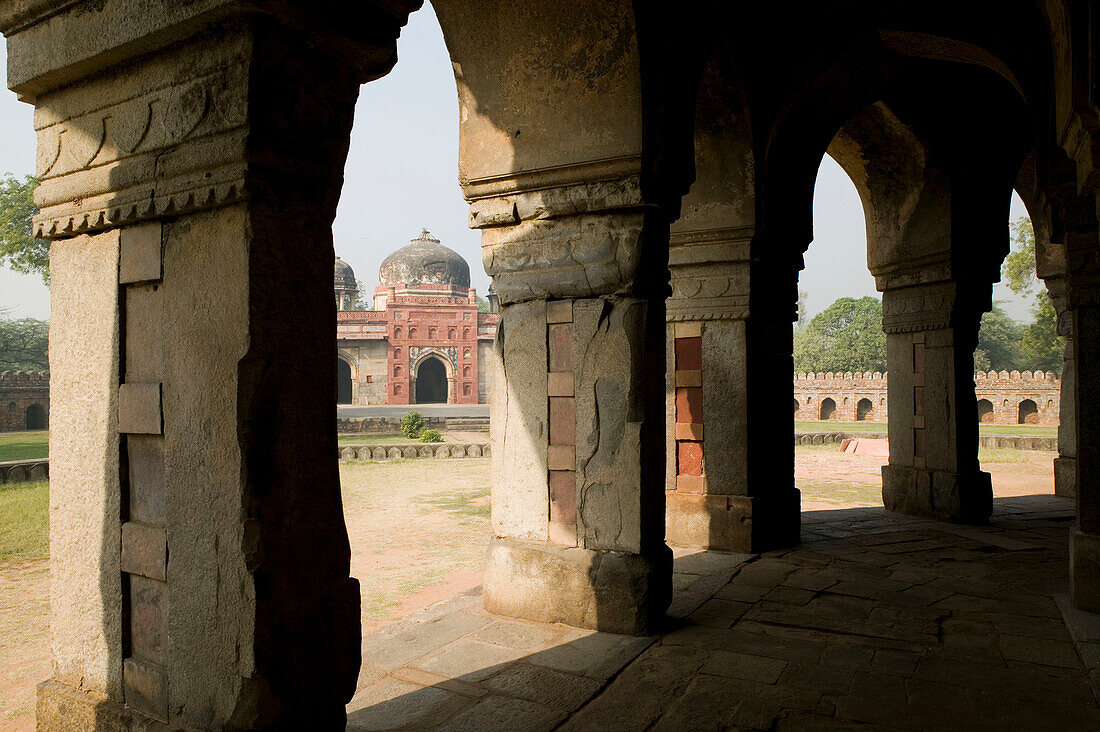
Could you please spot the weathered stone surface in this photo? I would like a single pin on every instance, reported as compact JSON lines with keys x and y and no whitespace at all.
{"x":84,"y":528}
{"x":520,"y":424}
{"x":608,"y":591}
{"x":495,"y":713}
{"x":544,"y":686}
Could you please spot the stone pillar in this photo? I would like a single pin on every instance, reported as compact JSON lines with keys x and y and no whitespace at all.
{"x":196,"y":527}
{"x":931,"y":333}
{"x":577,"y":412}
{"x":1065,"y":465}
{"x":1084,"y":299}
{"x":711,"y":503}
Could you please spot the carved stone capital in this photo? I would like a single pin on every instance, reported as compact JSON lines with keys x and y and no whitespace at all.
{"x":914,"y":309}
{"x":577,"y":256}
{"x":155,"y":139}
{"x":912,"y":273}
{"x":710,"y":274}
{"x":565,"y":231}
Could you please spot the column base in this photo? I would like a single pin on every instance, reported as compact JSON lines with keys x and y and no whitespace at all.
{"x":614,"y":592}
{"x":1084,"y":570}
{"x":732,"y":523}
{"x":960,"y":497}
{"x":65,"y":709}
{"x":1065,"y":477}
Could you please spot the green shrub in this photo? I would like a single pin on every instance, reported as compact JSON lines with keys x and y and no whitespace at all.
{"x":412,"y":424}
{"x":430,"y":435}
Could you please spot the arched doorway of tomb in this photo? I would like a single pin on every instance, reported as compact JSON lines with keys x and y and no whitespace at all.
{"x":1028,"y":412}
{"x":985,"y":410}
{"x":828,"y":409}
{"x":431,"y":382}
{"x":343,"y":382}
{"x":865,"y":409}
{"x":36,"y":417}
{"x":797,"y":406}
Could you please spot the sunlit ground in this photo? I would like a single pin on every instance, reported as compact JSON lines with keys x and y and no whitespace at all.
{"x":418,"y":531}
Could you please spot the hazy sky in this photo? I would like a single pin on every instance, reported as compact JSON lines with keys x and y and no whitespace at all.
{"x":402,"y":175}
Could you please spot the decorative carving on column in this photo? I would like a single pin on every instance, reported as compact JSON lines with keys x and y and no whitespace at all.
{"x":910,"y":310}
{"x":153,"y":146}
{"x":710,"y":274}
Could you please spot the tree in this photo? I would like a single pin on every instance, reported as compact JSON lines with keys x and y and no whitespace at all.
{"x":1040,"y":345}
{"x":998,"y":342}
{"x":846,"y":336}
{"x":19,"y":250}
{"x":24,"y":344}
{"x":801,"y":309}
{"x":482,"y":304}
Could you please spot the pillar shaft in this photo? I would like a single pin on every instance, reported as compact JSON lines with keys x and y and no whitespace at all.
{"x":711,"y":418}
{"x":577,"y":421}
{"x":931,"y":333}
{"x":197,"y":530}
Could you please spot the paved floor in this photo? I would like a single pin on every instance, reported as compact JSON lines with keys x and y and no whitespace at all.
{"x":428,"y":410}
{"x":876,"y":619}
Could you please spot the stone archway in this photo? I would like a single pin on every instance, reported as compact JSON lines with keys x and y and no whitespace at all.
{"x":865,"y":410}
{"x":36,"y":417}
{"x":431,"y":382}
{"x":343,"y":382}
{"x":797,"y":406}
{"x":985,"y":410}
{"x":828,"y":409}
{"x":1028,"y":412}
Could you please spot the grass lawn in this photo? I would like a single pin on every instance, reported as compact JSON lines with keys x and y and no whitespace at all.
{"x":985,"y":429}
{"x":357,"y":439}
{"x":24,"y":445}
{"x":24,"y":521}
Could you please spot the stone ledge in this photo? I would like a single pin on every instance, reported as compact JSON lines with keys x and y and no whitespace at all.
{"x":614,"y":592}
{"x":23,"y":471}
{"x":413,"y":450}
{"x":61,"y":708}
{"x":1016,"y":442}
{"x":960,"y":497}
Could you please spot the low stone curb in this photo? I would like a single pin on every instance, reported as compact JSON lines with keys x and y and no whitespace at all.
{"x":827,"y":438}
{"x":1019,"y":442}
{"x":1014,"y":442}
{"x":24,"y":471}
{"x":413,"y":450}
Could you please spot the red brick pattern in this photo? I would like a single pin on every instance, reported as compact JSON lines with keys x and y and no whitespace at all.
{"x":690,"y":470}
{"x":561,"y":460}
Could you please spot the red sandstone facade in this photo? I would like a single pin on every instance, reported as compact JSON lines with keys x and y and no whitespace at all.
{"x":425,"y":341}
{"x":24,"y":400}
{"x":1003,"y":397}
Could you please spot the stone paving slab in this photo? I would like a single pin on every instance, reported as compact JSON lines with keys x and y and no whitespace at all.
{"x":877,"y":620}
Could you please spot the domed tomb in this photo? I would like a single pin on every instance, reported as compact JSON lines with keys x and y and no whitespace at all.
{"x":343,"y":276}
{"x":344,"y":285}
{"x":425,"y":261}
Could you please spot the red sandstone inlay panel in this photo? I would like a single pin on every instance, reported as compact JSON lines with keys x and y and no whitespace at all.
{"x":563,"y":421}
{"x":689,"y":405}
{"x":689,"y":458}
{"x":563,"y":496}
{"x":689,"y":354}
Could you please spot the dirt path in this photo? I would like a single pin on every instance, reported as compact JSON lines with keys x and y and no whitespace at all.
{"x":829,"y":478}
{"x":418,"y":533}
{"x":24,"y":641}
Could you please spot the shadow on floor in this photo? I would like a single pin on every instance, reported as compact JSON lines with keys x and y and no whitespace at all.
{"x":876,"y":619}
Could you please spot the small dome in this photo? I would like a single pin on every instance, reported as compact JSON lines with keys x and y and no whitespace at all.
{"x":425,"y":261}
{"x":344,"y":277}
